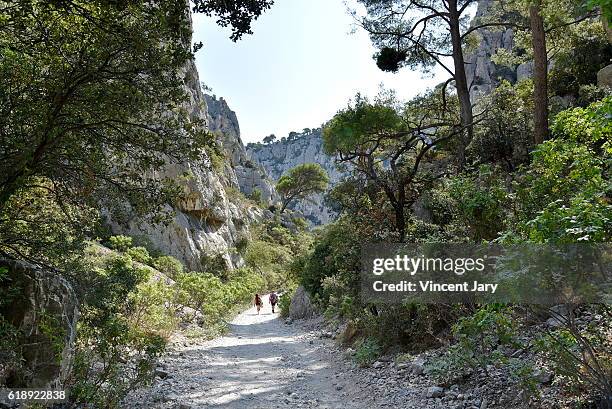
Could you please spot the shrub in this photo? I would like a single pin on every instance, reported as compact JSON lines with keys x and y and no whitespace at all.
{"x":481,"y":202}
{"x":477,"y":340}
{"x":120,"y":243}
{"x":367,"y":351}
{"x":168,"y":265}
{"x":562,"y":197}
{"x":152,"y":309}
{"x":256,"y":195}
{"x":139,"y":254}
{"x":580,"y":356}
{"x":202,"y":292}
{"x":284,"y":302}
{"x":112,"y":357}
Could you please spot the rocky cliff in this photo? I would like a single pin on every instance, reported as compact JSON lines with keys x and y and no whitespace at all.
{"x":45,"y":313}
{"x":483,"y":75}
{"x":208,"y":222}
{"x":280,"y":156}
{"x":240,"y":171}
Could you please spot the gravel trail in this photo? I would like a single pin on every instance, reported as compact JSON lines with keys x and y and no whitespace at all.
{"x":262,"y":363}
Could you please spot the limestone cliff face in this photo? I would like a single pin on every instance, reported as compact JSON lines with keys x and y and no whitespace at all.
{"x":280,"y":156}
{"x":483,"y":75}
{"x":240,"y":171}
{"x":207,"y":222}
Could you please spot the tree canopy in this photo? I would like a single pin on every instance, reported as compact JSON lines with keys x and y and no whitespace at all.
{"x":239,"y":14}
{"x":300,"y":182}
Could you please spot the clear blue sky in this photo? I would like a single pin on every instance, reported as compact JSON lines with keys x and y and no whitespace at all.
{"x":299,"y":67}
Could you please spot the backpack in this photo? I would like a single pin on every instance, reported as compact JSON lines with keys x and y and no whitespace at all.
{"x":258,"y":300}
{"x":273,"y":298}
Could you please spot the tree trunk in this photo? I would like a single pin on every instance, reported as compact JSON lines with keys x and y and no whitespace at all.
{"x":461,"y":84}
{"x":540,"y":73}
{"x":284,"y":206}
{"x":400,"y":223}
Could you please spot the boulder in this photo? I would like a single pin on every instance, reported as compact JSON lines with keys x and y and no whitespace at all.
{"x":417,"y":367}
{"x":604,"y":76}
{"x":45,"y":311}
{"x":524,"y":71}
{"x":301,"y":306}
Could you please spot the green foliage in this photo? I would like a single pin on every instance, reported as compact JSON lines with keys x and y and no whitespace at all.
{"x":300,"y":223}
{"x":481,"y":202}
{"x":301,"y":181}
{"x":410,"y":34}
{"x":366,"y":351}
{"x":504,"y":136}
{"x":579,"y":355}
{"x":153,"y":308}
{"x":201,"y":291}
{"x":238,"y":14}
{"x":270,"y":259}
{"x":139,"y":254}
{"x":52,"y":329}
{"x":392,"y":145}
{"x":35,"y":227}
{"x":105,"y":336}
{"x":563,"y":197}
{"x":606,"y":7}
{"x":284,"y":302}
{"x":168,"y":265}
{"x":85,"y":126}
{"x":590,"y":126}
{"x":213,"y":298}
{"x":215,"y":264}
{"x":335,"y":254}
{"x":273,"y":252}
{"x":478,"y":338}
{"x":216,"y":156}
{"x":583,"y":51}
{"x":120,"y":243}
{"x":415,"y":327}
{"x":353,"y":126}
{"x":256,"y":195}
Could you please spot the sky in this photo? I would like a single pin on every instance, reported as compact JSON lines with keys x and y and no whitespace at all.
{"x":301,"y":65}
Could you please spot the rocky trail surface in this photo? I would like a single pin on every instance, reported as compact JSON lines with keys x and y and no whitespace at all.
{"x":265,"y":363}
{"x":262,"y":363}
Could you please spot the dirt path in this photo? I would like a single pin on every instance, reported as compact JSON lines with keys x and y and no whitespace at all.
{"x":262,"y":363}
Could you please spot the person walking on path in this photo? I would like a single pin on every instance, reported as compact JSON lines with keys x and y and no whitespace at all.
{"x":273,"y":300}
{"x":258,"y":303}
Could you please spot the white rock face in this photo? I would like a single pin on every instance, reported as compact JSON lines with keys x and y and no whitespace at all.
{"x":241,"y":172}
{"x":482,"y":74}
{"x":207,"y":223}
{"x":280,"y":156}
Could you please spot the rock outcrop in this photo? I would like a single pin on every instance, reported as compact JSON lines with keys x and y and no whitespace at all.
{"x":301,"y":306}
{"x":278,"y":157}
{"x":483,"y":75}
{"x":207,"y":221}
{"x":45,"y":313}
{"x":241,"y":172}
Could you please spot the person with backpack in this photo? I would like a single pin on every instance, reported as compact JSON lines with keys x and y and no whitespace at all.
{"x":273,"y":300}
{"x":258,"y":303}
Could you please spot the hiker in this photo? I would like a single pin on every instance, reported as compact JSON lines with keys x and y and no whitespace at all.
{"x":273,"y":300}
{"x":258,"y":303}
